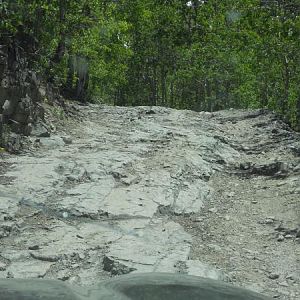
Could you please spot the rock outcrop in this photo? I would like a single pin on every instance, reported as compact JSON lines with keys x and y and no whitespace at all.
{"x":138,"y":190}
{"x":22,"y":92}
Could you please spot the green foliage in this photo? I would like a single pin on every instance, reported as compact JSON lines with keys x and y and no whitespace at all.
{"x":201,"y":55}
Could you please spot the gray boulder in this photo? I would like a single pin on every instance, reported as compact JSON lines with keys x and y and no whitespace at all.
{"x":8,"y":107}
{"x":40,"y":130}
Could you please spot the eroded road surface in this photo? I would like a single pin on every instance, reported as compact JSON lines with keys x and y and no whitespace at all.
{"x":130,"y":190}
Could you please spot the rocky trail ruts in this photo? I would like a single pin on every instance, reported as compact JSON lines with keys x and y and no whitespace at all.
{"x":154,"y":189}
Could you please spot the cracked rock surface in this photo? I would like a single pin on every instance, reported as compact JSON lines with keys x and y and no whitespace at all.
{"x":127,"y":191}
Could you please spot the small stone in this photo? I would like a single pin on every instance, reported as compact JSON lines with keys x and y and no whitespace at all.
{"x":230,"y":194}
{"x":213,"y":210}
{"x":8,"y":107}
{"x":35,"y":247}
{"x":40,"y":130}
{"x":129,"y":179}
{"x":215,"y":247}
{"x":199,"y":219}
{"x":269,"y":221}
{"x":297,"y":168}
{"x":280,"y":238}
{"x":227,"y":218}
{"x":279,"y":227}
{"x":288,"y":236}
{"x":273,"y":275}
{"x":245,"y":166}
{"x":150,"y":112}
{"x":254,"y":202}
{"x":71,"y":178}
{"x":290,"y":277}
{"x":27,"y":129}
{"x":64,"y":277}
{"x":81,"y":256}
{"x":48,"y":258}
{"x":42,"y":92}
{"x":292,"y":231}
{"x":65,"y":215}
{"x":283,"y":283}
{"x":296,"y":191}
{"x":5,"y":80}
{"x":67,"y":140}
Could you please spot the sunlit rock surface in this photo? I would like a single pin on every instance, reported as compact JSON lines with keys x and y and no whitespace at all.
{"x":117,"y":192}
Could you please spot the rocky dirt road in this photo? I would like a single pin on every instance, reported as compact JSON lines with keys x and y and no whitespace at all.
{"x":155,"y":189}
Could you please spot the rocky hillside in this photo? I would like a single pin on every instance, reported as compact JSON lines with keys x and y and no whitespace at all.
{"x":126,"y":190}
{"x":19,"y":92}
{"x":22,"y":95}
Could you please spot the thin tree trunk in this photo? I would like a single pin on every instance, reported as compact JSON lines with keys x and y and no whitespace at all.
{"x":208,"y":95}
{"x":286,"y":76}
{"x":70,"y":76}
{"x":298,"y":113}
{"x":61,"y":47}
{"x":200,"y":95}
{"x":163,"y":86}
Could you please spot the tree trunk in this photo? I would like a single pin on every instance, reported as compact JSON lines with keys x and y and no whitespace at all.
{"x":163,"y":86}
{"x":199,"y":95}
{"x":208,"y":95}
{"x":68,"y":89}
{"x":286,"y":76}
{"x":61,"y":47}
{"x":298,"y":113}
{"x":82,"y":86}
